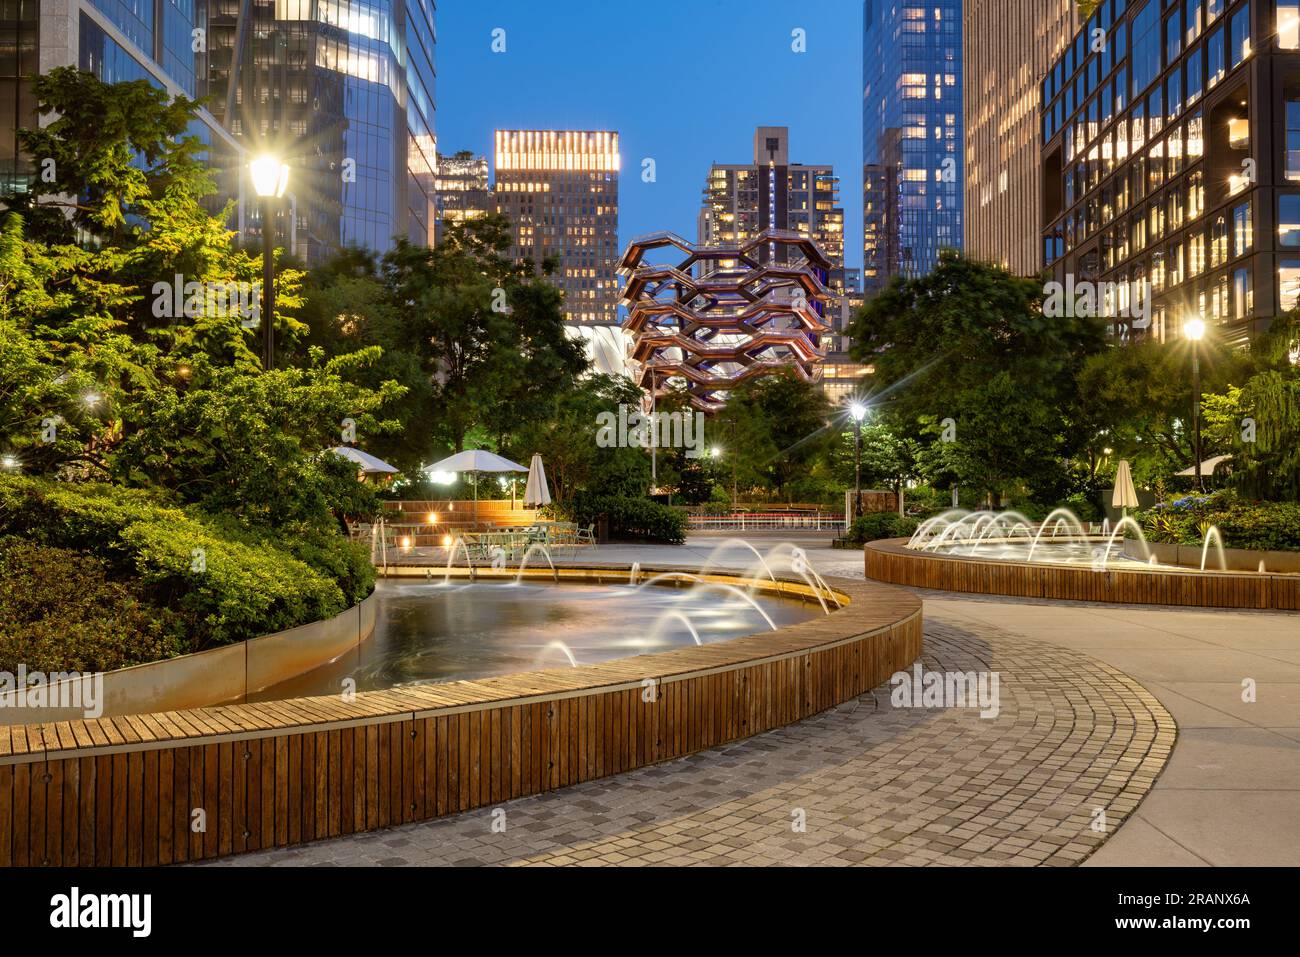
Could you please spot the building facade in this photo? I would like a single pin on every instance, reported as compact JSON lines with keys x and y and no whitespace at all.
{"x":742,"y":200}
{"x":1171,"y":164}
{"x":912,"y":166}
{"x":559,"y":188}
{"x":463,"y":189}
{"x":1007,"y":48}
{"x":341,"y":90}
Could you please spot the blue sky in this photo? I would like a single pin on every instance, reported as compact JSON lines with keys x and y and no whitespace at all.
{"x":682,"y":81}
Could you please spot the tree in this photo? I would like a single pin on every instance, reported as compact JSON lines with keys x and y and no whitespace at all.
{"x":488,"y":334}
{"x":965,"y":356}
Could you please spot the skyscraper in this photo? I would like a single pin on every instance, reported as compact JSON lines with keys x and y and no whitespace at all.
{"x":1007,"y":48}
{"x":911,"y":136}
{"x":341,"y":90}
{"x":742,"y":200}
{"x":559,"y":189}
{"x":463,"y":189}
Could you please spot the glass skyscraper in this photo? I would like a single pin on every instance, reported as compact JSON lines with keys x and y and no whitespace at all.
{"x":341,"y":90}
{"x":912,"y":164}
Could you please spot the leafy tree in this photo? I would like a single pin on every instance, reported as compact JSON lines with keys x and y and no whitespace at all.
{"x":488,"y":334}
{"x":969,"y":343}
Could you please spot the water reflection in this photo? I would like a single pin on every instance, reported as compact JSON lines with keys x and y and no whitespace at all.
{"x":443,"y":632}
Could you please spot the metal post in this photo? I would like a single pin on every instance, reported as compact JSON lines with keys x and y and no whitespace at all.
{"x":268,"y":284}
{"x":1196,"y":412}
{"x":857,"y":467}
{"x":654,"y":434}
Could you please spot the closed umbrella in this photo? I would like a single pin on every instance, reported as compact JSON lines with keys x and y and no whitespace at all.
{"x":1126,"y":495}
{"x":536,"y":493}
{"x":475,"y":461}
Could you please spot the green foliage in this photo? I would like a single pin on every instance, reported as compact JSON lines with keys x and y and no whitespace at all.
{"x":249,"y":584}
{"x":1261,"y":526}
{"x":878,"y":525}
{"x":60,"y":611}
{"x":629,"y":518}
{"x":969,"y":343}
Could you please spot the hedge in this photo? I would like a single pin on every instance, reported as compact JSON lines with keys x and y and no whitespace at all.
{"x":637,"y":519}
{"x":1259,"y":526}
{"x":219,"y":582}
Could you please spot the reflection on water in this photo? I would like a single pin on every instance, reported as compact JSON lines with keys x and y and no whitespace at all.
{"x":437,"y":632}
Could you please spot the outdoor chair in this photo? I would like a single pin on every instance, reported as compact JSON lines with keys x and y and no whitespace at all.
{"x":586,"y":536}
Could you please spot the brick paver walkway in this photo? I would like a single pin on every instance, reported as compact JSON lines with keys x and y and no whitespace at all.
{"x":872,"y":784}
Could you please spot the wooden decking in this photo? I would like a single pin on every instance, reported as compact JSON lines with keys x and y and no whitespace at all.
{"x":188,"y":785}
{"x":890,"y":561}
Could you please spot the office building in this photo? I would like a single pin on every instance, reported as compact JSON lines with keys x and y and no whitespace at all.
{"x":462,"y":188}
{"x":912,"y":125}
{"x":559,"y":189}
{"x":1007,"y":48}
{"x":1171,"y":164}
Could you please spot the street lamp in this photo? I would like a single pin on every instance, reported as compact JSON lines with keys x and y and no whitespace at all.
{"x":270,"y":180}
{"x":1194,"y":330}
{"x":859,"y":412}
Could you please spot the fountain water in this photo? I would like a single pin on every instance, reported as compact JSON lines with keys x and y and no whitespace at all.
{"x":564,"y":648}
{"x":730,"y":589}
{"x":523,"y":563}
{"x":634,"y":574}
{"x":451,"y":557}
{"x":676,"y":616}
{"x":1213,"y":532}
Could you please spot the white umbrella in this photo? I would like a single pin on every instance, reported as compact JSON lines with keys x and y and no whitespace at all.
{"x":366,"y":462}
{"x":475,"y":461}
{"x":1208,"y":467}
{"x":536,"y":493}
{"x":1125,"y":496}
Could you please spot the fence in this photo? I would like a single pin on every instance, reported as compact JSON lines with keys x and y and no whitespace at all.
{"x":757,"y":521}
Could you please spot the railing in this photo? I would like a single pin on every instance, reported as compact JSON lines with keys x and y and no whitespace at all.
{"x":756,"y":521}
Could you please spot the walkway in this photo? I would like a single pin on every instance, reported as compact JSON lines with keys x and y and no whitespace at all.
{"x":878,"y":785}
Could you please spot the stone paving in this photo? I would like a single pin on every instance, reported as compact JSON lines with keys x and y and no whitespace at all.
{"x":863,"y":784}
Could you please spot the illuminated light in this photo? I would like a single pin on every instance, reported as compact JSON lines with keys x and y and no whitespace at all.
{"x":270,"y":176}
{"x":91,"y":398}
{"x":9,"y":462}
{"x":446,"y":541}
{"x":406,"y":542}
{"x":442,"y":478}
{"x":433,"y":518}
{"x":1194,"y":330}
{"x":858,"y":411}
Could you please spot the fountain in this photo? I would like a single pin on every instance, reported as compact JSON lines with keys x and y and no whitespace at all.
{"x":523,"y":564}
{"x":1213,"y":532}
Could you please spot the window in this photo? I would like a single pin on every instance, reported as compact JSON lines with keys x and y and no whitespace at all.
{"x":1192,"y":19}
{"x":1288,"y":24}
{"x":1173,"y":37}
{"x":1219,"y":241}
{"x":1174,"y":94}
{"x":1240,"y":35}
{"x":1288,"y":220}
{"x":1195,"y":138}
{"x":1293,"y":139}
{"x":1243,"y":295}
{"x":1195,"y":78}
{"x":1145,"y":58}
{"x":1288,"y":280}
{"x":1214,"y":58}
{"x":1243,"y":230}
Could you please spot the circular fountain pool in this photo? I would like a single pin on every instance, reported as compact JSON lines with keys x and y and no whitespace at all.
{"x":431,"y":632}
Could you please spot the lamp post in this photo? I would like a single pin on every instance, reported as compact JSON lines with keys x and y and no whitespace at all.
{"x":1194,"y":330}
{"x":858,"y":411}
{"x":270,"y":179}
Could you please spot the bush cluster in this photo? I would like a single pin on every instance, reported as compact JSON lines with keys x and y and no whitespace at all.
{"x":1259,"y":526}
{"x":635,"y":519}
{"x":209,"y":581}
{"x":878,"y":525}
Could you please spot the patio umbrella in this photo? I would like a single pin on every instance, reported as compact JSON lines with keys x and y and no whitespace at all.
{"x":366,"y":463}
{"x":536,"y":493}
{"x":1207,"y":467}
{"x":1125,"y":496}
{"x":475,"y":461}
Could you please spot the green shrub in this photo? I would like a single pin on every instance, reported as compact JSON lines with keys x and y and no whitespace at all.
{"x":878,"y":525}
{"x":59,"y":611}
{"x":629,"y":518}
{"x":1259,"y":526}
{"x":220,"y":581}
